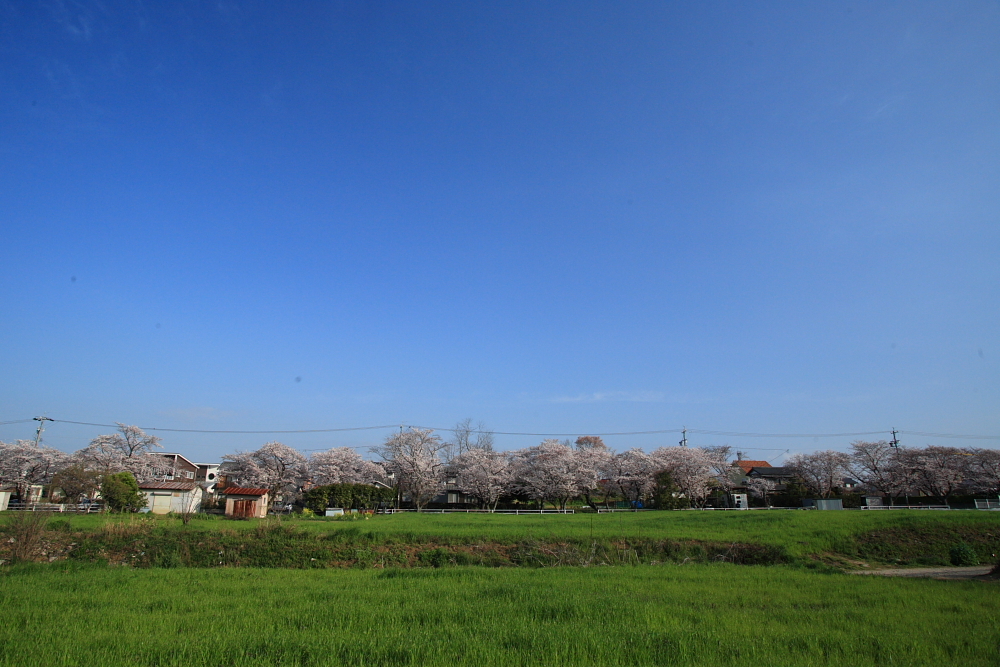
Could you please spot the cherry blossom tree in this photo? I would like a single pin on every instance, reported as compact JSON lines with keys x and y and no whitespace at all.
{"x":342,"y":465}
{"x":722,"y":470}
{"x":761,"y":487}
{"x":546,"y":472}
{"x":591,"y":465}
{"x":821,"y":472}
{"x":22,"y":465}
{"x":275,"y":466}
{"x":76,"y":481}
{"x":632,"y":472}
{"x":468,"y":436}
{"x":941,"y":469}
{"x":414,"y":458}
{"x":983,"y":470}
{"x":128,"y":450}
{"x":590,"y":442}
{"x":876,"y":465}
{"x":485,"y":474}
{"x":691,"y":468}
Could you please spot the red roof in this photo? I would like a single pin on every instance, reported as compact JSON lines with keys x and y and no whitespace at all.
{"x":167,"y":486}
{"x":748,"y":465}
{"x":240,"y":491}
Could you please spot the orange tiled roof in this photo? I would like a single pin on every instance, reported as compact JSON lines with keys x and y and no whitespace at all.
{"x":748,"y":465}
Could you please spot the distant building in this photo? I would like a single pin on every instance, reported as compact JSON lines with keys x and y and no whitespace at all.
{"x":778,"y":475}
{"x":207,"y":476}
{"x":747,"y":465}
{"x":164,"y":497}
{"x":178,"y":467}
{"x":246,"y":503}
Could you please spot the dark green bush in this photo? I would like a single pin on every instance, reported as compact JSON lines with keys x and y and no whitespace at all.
{"x":347,"y":496}
{"x":963,"y":555}
{"x":121,"y":492}
{"x":434,"y":557}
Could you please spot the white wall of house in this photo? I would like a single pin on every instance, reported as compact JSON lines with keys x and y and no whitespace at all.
{"x":163,"y":502}
{"x":4,"y":500}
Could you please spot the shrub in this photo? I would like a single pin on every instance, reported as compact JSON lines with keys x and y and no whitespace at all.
{"x":25,"y":529}
{"x":121,"y":492}
{"x":963,"y":555}
{"x":60,"y":525}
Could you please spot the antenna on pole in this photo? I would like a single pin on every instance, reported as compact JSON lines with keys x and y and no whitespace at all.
{"x":41,"y":427}
{"x":684,"y":438}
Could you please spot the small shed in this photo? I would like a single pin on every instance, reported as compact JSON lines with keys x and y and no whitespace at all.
{"x":166,"y":497}
{"x":246,"y":503}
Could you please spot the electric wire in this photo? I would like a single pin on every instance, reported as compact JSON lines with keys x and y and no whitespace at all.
{"x":695,"y":431}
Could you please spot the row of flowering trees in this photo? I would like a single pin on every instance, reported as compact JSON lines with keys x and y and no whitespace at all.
{"x":420,"y":464}
{"x":888,"y":470}
{"x":552,"y":471}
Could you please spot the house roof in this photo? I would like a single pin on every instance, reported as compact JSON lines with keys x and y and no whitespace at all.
{"x":167,"y":486}
{"x":241,"y":491}
{"x":763,"y":471}
{"x":748,"y":465}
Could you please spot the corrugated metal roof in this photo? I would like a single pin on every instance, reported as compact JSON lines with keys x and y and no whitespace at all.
{"x":167,"y":486}
{"x":241,"y":491}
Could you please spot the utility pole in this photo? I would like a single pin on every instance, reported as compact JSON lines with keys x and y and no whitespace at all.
{"x":684,"y":439}
{"x":41,"y":427}
{"x":894,"y":443}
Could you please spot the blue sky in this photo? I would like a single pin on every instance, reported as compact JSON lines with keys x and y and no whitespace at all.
{"x":559,"y":217}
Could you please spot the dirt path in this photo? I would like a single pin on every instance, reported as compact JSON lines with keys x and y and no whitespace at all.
{"x":933,"y":572}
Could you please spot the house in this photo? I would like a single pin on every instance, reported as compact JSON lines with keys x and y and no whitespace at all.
{"x":223,"y":474}
{"x":207,"y":475}
{"x":747,"y":465}
{"x":163,"y":497}
{"x":177,"y":466}
{"x":246,"y":503}
{"x":453,"y":493}
{"x":779,"y":475}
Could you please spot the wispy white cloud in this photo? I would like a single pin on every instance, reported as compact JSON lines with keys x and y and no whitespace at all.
{"x":613,"y":397}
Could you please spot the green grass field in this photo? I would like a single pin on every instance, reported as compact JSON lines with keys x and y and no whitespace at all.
{"x":391,"y":590}
{"x":56,"y":615}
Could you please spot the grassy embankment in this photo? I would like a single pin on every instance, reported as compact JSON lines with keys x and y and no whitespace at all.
{"x":715,"y":614}
{"x":878,"y":538}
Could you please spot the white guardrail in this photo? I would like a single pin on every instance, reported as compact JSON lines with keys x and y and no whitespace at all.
{"x":55,"y":507}
{"x":392,"y":510}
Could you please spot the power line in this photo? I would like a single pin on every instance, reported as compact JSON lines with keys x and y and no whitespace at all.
{"x":733,"y":434}
{"x":950,"y":435}
{"x":195,"y":430}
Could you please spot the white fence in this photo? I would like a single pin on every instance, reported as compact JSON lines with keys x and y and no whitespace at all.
{"x":55,"y":507}
{"x":905,"y":507}
{"x":391,"y":510}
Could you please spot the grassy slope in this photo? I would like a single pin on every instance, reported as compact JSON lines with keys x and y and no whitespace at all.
{"x":883,"y":536}
{"x":668,"y":615}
